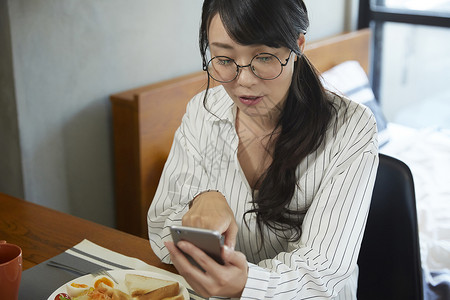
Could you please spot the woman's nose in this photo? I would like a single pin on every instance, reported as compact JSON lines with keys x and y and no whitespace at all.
{"x":246,"y":77}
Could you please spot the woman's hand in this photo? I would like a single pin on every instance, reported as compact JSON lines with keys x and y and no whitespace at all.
{"x":210,"y":210}
{"x":226,"y":280}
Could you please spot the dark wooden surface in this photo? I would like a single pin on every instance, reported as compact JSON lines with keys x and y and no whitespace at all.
{"x":43,"y":233}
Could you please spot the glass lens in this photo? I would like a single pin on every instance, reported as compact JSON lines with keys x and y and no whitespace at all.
{"x":222,"y":68}
{"x":266,"y":66}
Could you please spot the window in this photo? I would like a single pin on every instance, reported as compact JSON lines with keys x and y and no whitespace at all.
{"x":411,"y":61}
{"x":435,"y":6}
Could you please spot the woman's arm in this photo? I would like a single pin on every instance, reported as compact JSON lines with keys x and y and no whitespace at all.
{"x":210,"y":210}
{"x":183,"y":177}
{"x":189,"y":173}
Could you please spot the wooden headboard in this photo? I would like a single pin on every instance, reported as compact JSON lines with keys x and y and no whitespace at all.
{"x":145,"y":120}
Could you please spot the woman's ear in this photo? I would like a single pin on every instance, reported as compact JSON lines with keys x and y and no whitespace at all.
{"x":301,"y":42}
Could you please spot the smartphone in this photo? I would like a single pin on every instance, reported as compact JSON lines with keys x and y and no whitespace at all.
{"x":210,"y":241}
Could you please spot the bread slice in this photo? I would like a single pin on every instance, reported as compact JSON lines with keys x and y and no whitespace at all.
{"x":177,"y":297}
{"x":161,"y":293}
{"x":144,"y":287}
{"x":119,"y":295}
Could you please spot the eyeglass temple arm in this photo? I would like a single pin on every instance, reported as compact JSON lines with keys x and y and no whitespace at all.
{"x":287,"y":59}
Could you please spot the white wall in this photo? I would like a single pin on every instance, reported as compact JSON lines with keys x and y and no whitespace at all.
{"x":69,"y":56}
{"x":10,"y":159}
{"x":327,"y":18}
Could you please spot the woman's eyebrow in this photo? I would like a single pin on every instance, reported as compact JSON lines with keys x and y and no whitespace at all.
{"x":222,"y":45}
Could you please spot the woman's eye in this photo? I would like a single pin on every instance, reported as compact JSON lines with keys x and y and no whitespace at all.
{"x":265,"y":58}
{"x":224,"y":62}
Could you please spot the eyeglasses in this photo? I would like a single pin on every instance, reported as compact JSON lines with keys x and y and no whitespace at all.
{"x":264,"y":65}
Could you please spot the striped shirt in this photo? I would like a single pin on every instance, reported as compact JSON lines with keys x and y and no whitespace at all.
{"x":334,"y":185}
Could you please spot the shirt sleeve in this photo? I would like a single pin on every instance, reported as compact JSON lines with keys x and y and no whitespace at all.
{"x":318,"y":265}
{"x":182,"y":178}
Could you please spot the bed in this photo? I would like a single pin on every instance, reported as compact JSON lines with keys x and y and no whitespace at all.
{"x":145,"y":119}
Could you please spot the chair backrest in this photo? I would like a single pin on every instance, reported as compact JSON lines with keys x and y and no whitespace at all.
{"x":389,"y":260}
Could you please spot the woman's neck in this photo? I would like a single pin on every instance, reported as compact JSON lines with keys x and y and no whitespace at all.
{"x":259,"y":125}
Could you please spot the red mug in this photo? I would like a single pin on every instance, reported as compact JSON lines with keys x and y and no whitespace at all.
{"x":10,"y":270}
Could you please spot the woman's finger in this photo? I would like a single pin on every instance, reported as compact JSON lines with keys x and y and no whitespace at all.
{"x":201,"y":258}
{"x":180,"y":261}
{"x":176,"y":256}
{"x":229,"y":279}
{"x":234,"y":258}
{"x":196,"y":278}
{"x":230,"y":235}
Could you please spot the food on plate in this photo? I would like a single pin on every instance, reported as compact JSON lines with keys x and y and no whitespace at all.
{"x":62,"y":296}
{"x":83,"y":291}
{"x":103,"y":291}
{"x":132,"y":287}
{"x":103,"y":279}
{"x":74,"y":289}
{"x":177,"y":297}
{"x":143,"y":287}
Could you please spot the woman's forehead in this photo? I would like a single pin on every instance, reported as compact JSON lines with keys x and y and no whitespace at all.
{"x":217,"y":32}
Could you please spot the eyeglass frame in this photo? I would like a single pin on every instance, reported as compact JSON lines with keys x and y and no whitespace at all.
{"x":238,"y":67}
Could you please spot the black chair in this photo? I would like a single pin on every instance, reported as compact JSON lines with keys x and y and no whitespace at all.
{"x":389,"y":260}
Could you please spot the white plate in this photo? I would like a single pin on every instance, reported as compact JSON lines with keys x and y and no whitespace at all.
{"x":119,"y":275}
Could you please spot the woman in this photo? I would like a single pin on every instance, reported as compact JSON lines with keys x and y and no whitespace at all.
{"x":282,"y":168}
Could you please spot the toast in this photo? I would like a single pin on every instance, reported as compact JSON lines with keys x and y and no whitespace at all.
{"x":144,"y":288}
{"x":177,"y":297}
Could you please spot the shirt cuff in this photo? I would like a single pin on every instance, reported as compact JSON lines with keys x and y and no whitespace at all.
{"x":257,"y":283}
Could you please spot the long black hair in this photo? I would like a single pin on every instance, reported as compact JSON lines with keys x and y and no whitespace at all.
{"x":307,"y":110}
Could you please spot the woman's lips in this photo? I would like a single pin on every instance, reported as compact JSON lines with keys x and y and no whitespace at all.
{"x":250,"y":100}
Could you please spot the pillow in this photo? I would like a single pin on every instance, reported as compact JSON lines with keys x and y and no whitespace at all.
{"x":350,"y":79}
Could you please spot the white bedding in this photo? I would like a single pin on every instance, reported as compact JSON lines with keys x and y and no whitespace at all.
{"x":427,"y":153}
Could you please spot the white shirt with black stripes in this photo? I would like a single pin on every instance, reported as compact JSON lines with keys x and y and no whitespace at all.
{"x":334,"y":185}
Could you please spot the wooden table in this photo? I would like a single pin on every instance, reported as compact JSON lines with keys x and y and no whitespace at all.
{"x":43,"y":233}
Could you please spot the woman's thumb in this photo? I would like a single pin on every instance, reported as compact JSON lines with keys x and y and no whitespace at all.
{"x":233,"y":257}
{"x":230,"y":236}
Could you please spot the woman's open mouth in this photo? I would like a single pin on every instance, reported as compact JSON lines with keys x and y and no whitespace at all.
{"x":250,"y":100}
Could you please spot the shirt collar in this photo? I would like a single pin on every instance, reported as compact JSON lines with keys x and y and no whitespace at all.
{"x":220,"y":106}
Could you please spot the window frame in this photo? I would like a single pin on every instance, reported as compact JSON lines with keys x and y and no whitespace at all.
{"x":373,"y":14}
